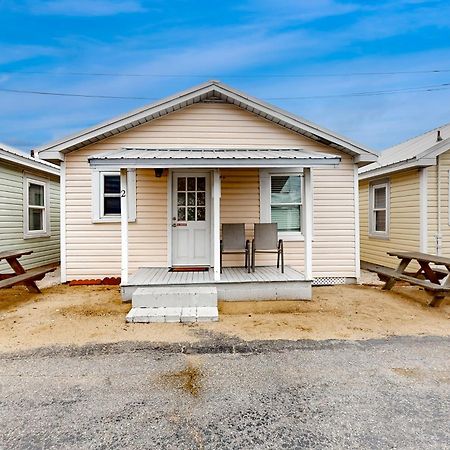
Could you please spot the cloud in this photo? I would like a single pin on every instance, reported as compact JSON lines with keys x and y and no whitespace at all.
{"x":11,"y":53}
{"x":84,"y":8}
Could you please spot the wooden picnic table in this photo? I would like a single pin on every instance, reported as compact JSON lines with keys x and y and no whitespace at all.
{"x":432,"y":282}
{"x":22,"y":276}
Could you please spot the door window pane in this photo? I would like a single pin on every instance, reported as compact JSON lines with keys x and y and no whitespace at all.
{"x":181,"y":184}
{"x":191,"y":198}
{"x":181,"y":199}
{"x":201,"y":199}
{"x":181,"y":214}
{"x":191,"y":184}
{"x":191,"y":214}
{"x":201,"y":214}
{"x":111,"y":205}
{"x":201,"y":183}
{"x":35,"y":195}
{"x":36,"y":219}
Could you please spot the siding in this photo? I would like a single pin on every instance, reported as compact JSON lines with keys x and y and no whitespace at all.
{"x":444,"y":169}
{"x":94,"y":249}
{"x":45,"y":249}
{"x":404,"y":232}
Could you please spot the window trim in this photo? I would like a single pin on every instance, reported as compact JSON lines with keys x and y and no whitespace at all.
{"x":103,"y":194}
{"x":265,"y":215}
{"x":98,"y":215}
{"x":377,"y":185}
{"x":46,"y":231}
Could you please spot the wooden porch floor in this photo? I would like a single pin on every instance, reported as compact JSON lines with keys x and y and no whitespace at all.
{"x":160,"y":276}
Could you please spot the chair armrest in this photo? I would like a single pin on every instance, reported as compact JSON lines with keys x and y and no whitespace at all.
{"x":280,"y":243}
{"x":247,"y":243}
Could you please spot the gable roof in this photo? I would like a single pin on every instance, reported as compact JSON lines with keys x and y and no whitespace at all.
{"x":420,"y":151}
{"x":14,"y":156}
{"x":211,"y":90}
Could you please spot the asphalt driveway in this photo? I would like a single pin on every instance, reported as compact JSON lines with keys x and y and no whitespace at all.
{"x":220,"y":394}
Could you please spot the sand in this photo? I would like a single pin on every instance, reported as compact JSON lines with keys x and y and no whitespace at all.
{"x":78,"y":315}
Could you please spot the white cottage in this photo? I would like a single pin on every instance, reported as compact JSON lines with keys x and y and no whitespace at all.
{"x":145,"y":196}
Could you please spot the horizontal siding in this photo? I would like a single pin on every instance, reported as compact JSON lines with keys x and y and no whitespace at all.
{"x":444,"y":170}
{"x":404,"y":234}
{"x":94,"y":249}
{"x":45,"y":249}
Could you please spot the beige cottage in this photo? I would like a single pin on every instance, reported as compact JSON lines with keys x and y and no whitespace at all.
{"x":149,"y":191}
{"x":404,"y":199}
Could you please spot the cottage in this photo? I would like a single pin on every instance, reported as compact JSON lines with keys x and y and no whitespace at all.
{"x":29,"y":208}
{"x":404,"y":199}
{"x":150,"y":190}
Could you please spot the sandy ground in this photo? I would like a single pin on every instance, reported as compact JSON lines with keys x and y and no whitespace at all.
{"x":78,"y":315}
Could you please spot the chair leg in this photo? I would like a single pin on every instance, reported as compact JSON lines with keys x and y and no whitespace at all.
{"x":282,"y":259}
{"x":278,"y":259}
{"x":221,"y":265}
{"x":253,"y":260}
{"x":247,"y":255}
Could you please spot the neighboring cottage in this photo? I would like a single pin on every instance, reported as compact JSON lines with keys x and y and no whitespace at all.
{"x":149,"y":190}
{"x":29,"y":208}
{"x":404,"y":199}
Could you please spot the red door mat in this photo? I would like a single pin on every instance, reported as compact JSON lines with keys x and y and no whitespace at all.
{"x":189,"y":269}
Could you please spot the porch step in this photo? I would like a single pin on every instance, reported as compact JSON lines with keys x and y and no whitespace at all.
{"x":175,"y":297}
{"x":173,"y":314}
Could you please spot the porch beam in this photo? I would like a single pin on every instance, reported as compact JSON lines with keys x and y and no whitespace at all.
{"x":216,"y":193}
{"x":308,"y":221}
{"x":124,"y":226}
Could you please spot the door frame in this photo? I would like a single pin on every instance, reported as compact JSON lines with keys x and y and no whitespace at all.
{"x":171,"y":172}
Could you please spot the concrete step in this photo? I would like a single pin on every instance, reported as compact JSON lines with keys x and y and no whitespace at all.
{"x":173,"y":314}
{"x":175,"y":297}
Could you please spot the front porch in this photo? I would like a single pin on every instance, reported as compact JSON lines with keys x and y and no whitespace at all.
{"x":235,"y":283}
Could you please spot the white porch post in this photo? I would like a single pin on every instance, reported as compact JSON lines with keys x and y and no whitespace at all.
{"x":124,"y":226}
{"x":308,"y":221}
{"x":216,"y":192}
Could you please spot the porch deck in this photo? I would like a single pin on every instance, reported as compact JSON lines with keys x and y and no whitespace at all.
{"x":266,"y":283}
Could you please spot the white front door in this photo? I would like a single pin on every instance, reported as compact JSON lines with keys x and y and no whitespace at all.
{"x":191,"y":219}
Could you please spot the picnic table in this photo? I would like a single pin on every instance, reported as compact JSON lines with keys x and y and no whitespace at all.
{"x":434,"y":280}
{"x":22,"y":276}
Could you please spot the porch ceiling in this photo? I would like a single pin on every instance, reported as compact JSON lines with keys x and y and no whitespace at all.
{"x":211,"y":158}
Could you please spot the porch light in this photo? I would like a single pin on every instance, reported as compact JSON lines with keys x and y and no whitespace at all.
{"x":158,"y":173}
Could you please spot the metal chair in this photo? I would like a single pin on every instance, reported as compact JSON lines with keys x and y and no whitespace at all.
{"x":233,"y":242}
{"x":266,"y":241}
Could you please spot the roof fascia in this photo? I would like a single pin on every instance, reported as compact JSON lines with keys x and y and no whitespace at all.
{"x":25,"y":162}
{"x":398,"y":167}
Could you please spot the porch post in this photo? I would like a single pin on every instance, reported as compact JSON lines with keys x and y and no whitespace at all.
{"x":308,"y":221}
{"x":216,"y":192}
{"x":124,"y":226}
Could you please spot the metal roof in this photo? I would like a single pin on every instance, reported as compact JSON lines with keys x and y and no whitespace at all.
{"x":15,"y":156}
{"x":419,"y":151}
{"x":212,"y":158}
{"x":209,"y":91}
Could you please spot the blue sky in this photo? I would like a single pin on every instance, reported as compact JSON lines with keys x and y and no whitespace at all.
{"x":275,"y":50}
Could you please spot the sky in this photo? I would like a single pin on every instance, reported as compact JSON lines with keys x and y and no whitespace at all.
{"x":313,"y":58}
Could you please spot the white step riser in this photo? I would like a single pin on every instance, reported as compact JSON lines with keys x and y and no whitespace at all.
{"x":175,"y":297}
{"x":173,"y":315}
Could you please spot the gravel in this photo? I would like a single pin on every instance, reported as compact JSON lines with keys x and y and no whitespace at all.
{"x":228,"y":394}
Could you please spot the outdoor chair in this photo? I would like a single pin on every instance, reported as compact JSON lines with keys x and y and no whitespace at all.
{"x":266,"y":241}
{"x":234,"y":242}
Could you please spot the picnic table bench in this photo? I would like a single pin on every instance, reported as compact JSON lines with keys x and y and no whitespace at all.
{"x":22,"y":276}
{"x":429,"y":278}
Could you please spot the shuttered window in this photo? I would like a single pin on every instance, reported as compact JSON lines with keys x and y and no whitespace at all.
{"x":286,"y":202}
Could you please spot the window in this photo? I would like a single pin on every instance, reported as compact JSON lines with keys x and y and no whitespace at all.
{"x":285,"y":202}
{"x":110,"y":193}
{"x":36,"y":208}
{"x":379,"y":209}
{"x":106,"y":194}
{"x":281,"y":197}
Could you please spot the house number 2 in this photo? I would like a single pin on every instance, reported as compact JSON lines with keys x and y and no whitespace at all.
{"x":123,"y":193}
